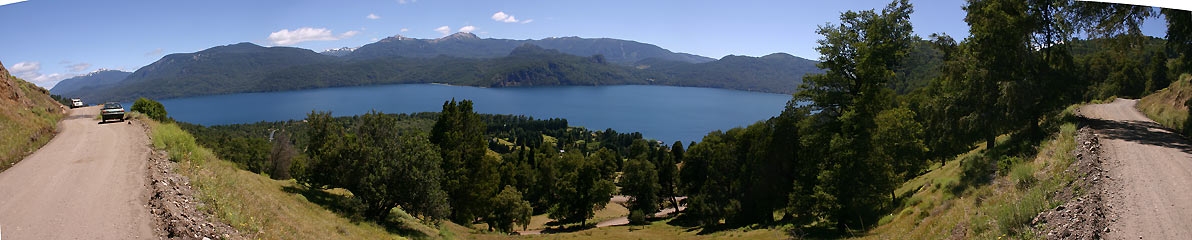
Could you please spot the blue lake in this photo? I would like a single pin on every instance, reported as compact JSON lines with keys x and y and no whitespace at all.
{"x":658,"y":112}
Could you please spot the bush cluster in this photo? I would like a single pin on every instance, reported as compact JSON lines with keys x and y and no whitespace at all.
{"x":151,"y":108}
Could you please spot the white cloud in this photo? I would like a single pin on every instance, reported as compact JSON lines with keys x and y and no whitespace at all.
{"x":6,"y":2}
{"x":155,"y":52}
{"x":31,"y":71}
{"x":467,"y":29}
{"x":405,"y":1}
{"x":506,"y":18}
{"x":502,"y":17}
{"x":25,"y":67}
{"x":79,"y":67}
{"x":405,"y":29}
{"x":444,"y":30}
{"x":286,"y":37}
{"x":373,"y":16}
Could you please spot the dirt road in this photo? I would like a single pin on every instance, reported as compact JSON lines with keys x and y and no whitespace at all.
{"x":1150,"y":187}
{"x":89,"y":182}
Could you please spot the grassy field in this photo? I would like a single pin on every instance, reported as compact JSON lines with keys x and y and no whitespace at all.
{"x":27,"y":123}
{"x":1166,"y":106}
{"x":938,"y":205}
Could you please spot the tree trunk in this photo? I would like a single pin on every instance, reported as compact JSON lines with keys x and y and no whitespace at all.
{"x":990,"y":140}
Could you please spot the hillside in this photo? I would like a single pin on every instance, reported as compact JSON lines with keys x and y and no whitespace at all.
{"x":247,"y":67}
{"x":467,"y":45}
{"x":974,"y":197}
{"x":97,"y":79}
{"x":218,"y":70}
{"x":28,"y":117}
{"x":1167,"y":106}
{"x":778,"y":72}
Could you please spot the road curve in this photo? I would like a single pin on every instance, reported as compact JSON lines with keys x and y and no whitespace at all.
{"x":1150,"y":168}
{"x":89,"y":182}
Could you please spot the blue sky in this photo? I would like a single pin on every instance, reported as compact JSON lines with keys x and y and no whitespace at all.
{"x":44,"y":41}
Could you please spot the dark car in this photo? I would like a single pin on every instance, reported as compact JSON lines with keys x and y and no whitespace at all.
{"x":112,"y":110}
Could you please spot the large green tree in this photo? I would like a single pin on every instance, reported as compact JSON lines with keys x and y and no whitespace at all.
{"x":470,"y":177}
{"x":1179,"y":36}
{"x":382,"y":167}
{"x":509,"y":209}
{"x":861,"y":55}
{"x":640,"y":183}
{"x":579,"y":190}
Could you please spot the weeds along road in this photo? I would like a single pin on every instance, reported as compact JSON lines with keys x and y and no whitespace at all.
{"x":89,"y":182}
{"x":1150,"y":169}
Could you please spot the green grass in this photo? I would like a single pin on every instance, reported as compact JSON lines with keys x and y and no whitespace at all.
{"x":1166,"y":106}
{"x":938,"y":205}
{"x":28,"y":124}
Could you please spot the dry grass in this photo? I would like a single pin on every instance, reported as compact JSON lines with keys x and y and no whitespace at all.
{"x":26,"y":125}
{"x":1166,"y":106}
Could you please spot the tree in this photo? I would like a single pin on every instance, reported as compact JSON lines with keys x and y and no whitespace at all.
{"x":898,"y":139}
{"x":668,"y":176}
{"x":860,"y":56}
{"x":1179,"y":36}
{"x":249,"y":153}
{"x":509,"y":209}
{"x":1001,"y":31}
{"x":710,"y":178}
{"x":382,"y":167}
{"x":609,"y":162}
{"x":1157,"y":73}
{"x":580,"y":189}
{"x":281,"y":157}
{"x":470,"y":177}
{"x":640,"y":183}
{"x":677,"y":151}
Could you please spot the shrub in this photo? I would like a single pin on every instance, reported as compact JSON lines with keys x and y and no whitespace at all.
{"x":1023,"y":175}
{"x":636,"y":217}
{"x":976,"y":169}
{"x":151,"y":108}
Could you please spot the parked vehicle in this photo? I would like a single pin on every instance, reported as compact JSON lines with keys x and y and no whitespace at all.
{"x":76,"y":103}
{"x":112,"y":110}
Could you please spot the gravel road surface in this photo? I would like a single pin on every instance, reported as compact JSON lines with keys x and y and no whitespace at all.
{"x":89,"y":182}
{"x":1150,"y":168}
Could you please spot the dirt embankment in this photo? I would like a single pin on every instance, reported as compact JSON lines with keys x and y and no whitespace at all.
{"x":177,"y":212}
{"x":1082,"y":215}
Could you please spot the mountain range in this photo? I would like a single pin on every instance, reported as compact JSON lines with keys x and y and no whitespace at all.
{"x":458,"y":59}
{"x":100,"y":78}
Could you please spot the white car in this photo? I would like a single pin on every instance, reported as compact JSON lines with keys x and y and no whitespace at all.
{"x":76,"y":103}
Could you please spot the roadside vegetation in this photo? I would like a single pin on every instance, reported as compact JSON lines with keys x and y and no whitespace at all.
{"x":975,"y":197}
{"x":973,"y":146}
{"x":262,"y":208}
{"x":28,"y":118}
{"x":1169,"y":106}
